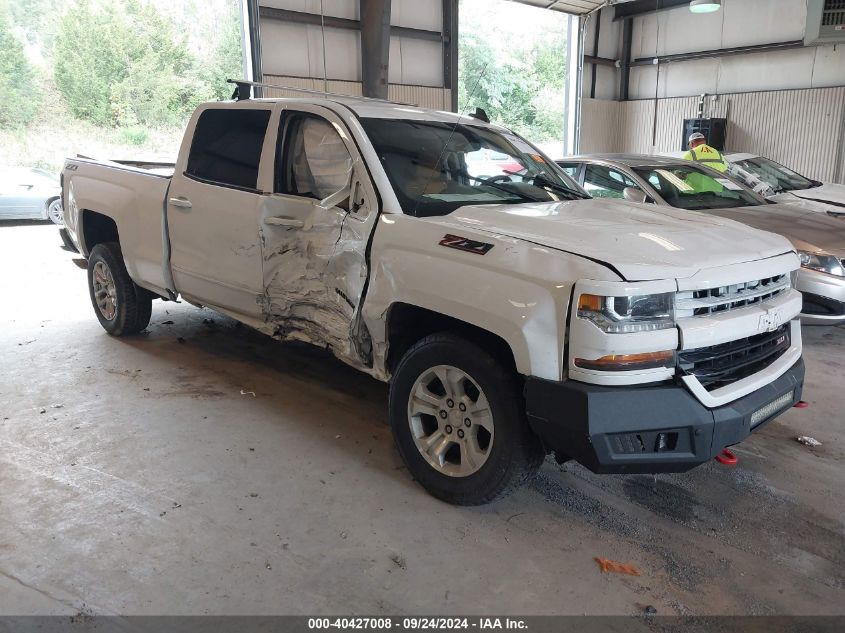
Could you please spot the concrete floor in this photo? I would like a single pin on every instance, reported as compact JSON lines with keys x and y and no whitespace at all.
{"x":140,"y":476}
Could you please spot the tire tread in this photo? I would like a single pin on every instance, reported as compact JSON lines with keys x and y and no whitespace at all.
{"x":134,"y":303}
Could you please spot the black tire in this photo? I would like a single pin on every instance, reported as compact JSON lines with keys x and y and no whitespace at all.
{"x":515,"y":453}
{"x":133,"y":305}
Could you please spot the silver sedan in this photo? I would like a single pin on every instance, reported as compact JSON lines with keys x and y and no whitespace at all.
{"x":30,"y":194}
{"x":818,"y":238}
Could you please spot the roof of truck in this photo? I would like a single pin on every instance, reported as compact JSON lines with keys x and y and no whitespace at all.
{"x":367,"y":108}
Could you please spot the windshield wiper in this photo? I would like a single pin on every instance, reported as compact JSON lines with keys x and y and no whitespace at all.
{"x":544,"y":181}
{"x":518,"y":194}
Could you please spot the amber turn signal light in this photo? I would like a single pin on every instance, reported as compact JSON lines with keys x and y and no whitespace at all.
{"x":628,"y":362}
{"x":590,"y":302}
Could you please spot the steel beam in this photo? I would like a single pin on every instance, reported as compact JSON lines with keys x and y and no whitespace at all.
{"x":625,"y":75}
{"x":375,"y":47}
{"x":450,"y":50}
{"x":625,"y":10}
{"x":718,"y":52}
{"x":254,"y":26}
{"x":596,"y":33}
{"x":600,"y":61}
{"x":302,"y":17}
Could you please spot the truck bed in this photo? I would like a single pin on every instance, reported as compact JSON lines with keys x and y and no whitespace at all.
{"x":132,"y":193}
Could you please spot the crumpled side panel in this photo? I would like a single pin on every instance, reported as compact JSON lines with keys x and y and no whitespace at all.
{"x":314,"y":279}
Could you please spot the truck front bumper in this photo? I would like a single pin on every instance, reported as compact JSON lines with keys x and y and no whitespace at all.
{"x":648,"y":429}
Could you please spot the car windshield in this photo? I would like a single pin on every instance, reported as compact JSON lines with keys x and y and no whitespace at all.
{"x":436,"y":167}
{"x":687,"y":186}
{"x":780,"y":178}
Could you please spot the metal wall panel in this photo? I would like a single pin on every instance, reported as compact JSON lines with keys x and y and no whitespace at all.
{"x":802,"y":129}
{"x":294,"y":49}
{"x":600,"y":126}
{"x":424,"y":96}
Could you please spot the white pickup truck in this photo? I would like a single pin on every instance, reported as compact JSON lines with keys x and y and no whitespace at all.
{"x":512,"y":316}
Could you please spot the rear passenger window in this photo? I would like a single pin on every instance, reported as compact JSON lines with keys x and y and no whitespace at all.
{"x":227,"y":146}
{"x":571,"y":169}
{"x":603,"y":182}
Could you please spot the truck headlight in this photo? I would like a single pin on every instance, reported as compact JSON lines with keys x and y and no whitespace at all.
{"x":623,"y":315}
{"x":822,"y":262}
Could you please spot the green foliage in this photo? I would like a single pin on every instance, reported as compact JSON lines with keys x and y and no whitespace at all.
{"x":19,"y":94}
{"x":518,"y":78}
{"x":134,"y":135}
{"x":35,"y":18}
{"x":129,"y":67}
{"x":225,"y":62}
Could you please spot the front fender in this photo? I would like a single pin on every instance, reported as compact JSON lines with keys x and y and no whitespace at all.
{"x":516,"y":290}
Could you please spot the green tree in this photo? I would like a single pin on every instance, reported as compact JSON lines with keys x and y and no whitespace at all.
{"x":19,"y":94}
{"x":225,"y":62}
{"x":90,"y":56}
{"x":517,"y":76}
{"x":123,"y":68}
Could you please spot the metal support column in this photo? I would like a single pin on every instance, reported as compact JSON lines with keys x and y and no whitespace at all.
{"x":252,"y":43}
{"x":450,"y":50}
{"x":596,"y":33}
{"x":375,"y":47}
{"x":625,"y":76}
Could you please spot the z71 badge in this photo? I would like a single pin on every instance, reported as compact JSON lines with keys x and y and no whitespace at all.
{"x":464,"y":244}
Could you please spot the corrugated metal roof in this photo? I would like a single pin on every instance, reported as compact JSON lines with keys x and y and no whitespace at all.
{"x":575,"y":7}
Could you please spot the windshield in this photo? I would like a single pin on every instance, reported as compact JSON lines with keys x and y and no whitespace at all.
{"x":688,"y":186}
{"x":479,"y":165}
{"x":780,"y":178}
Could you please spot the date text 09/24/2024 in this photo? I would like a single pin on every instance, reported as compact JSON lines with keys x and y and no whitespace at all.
{"x":417,"y":623}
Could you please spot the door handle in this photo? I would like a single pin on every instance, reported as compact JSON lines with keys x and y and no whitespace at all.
{"x":182,"y":203}
{"x":282,"y":221}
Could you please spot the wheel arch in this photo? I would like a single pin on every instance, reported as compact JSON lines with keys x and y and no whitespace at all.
{"x":97,"y":228}
{"x":406,"y":324}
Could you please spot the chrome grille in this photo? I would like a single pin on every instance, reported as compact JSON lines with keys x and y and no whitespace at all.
{"x":724,"y":298}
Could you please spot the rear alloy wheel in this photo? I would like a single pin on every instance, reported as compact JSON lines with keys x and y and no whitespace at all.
{"x":458,"y":419}
{"x":55,"y":212}
{"x":121,"y":307}
{"x":105,"y":294}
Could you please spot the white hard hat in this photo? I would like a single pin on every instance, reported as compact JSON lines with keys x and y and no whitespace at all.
{"x":696,"y":136}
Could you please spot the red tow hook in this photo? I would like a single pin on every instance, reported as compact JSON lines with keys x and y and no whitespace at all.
{"x":801,"y":404}
{"x":727,"y":457}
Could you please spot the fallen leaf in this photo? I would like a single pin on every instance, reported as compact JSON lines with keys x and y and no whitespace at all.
{"x":608,"y":566}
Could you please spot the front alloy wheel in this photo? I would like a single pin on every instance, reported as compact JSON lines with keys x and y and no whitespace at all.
{"x":450,"y":421}
{"x":458,"y":419}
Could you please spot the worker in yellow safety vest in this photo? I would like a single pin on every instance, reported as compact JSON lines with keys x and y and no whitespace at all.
{"x":701,"y":152}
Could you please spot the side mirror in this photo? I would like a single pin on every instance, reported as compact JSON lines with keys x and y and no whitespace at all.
{"x":632,"y":194}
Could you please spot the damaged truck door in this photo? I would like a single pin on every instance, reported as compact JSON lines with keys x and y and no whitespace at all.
{"x":314,"y":235}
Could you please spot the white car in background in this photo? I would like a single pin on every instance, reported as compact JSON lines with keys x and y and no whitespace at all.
{"x":781,"y":184}
{"x":30,"y":194}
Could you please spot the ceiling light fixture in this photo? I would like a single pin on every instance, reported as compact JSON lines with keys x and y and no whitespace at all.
{"x":704,"y":6}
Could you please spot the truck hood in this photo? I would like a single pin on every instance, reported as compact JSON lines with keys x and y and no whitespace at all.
{"x":641,"y":241}
{"x":807,"y":229}
{"x":831,"y":196}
